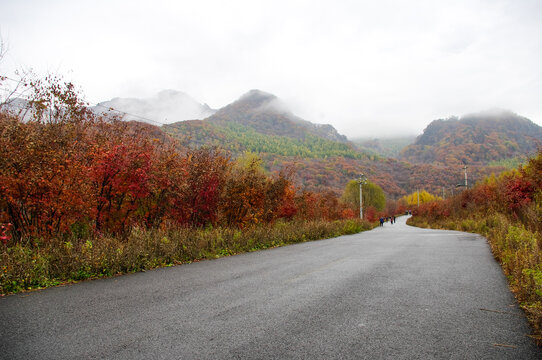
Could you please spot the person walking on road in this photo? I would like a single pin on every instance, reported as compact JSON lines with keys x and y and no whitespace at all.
{"x":381,"y":221}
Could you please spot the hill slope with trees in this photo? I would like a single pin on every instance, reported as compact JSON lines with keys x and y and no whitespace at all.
{"x":477,"y":139}
{"x":318,"y":156}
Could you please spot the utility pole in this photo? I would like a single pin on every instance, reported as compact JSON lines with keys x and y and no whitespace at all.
{"x":466,"y":184}
{"x":418,"y":191}
{"x":362,"y":180}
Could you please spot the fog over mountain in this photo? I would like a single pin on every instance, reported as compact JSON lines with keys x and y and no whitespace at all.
{"x":270,"y":115}
{"x":168,"y":106}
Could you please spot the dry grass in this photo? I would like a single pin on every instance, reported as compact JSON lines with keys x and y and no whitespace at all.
{"x":36,"y":264}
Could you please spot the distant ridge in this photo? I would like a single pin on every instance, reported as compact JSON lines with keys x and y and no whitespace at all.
{"x":168,"y":106}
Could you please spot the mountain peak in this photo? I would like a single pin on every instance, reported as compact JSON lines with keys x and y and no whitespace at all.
{"x":256,"y":93}
{"x":257,"y":98}
{"x":491,"y":113}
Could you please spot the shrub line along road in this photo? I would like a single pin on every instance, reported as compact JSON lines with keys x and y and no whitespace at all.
{"x":395,"y":292}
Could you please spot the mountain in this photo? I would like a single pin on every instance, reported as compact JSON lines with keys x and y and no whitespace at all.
{"x":321,"y":158}
{"x":489,"y":137}
{"x":259,"y":122}
{"x":266,"y":114}
{"x":167,"y":106}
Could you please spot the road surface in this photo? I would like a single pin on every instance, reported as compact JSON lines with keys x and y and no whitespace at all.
{"x":396,"y":292}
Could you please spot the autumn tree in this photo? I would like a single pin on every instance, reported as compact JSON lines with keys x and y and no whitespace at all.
{"x":279,"y":197}
{"x":44,"y":186}
{"x":372,"y":194}
{"x":120,"y":177}
{"x":197,"y":202}
{"x":424,"y":197}
{"x":244,"y":192}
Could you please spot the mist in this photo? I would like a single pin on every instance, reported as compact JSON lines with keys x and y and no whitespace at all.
{"x":166,"y":107}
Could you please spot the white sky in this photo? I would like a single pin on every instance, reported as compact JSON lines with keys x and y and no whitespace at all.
{"x":369,"y":68}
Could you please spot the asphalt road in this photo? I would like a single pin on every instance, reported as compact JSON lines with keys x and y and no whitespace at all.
{"x":396,"y":292}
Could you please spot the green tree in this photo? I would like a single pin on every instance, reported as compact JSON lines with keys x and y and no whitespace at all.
{"x":373,"y":195}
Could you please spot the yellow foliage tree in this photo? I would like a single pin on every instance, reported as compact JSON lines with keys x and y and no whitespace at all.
{"x":425,"y":197}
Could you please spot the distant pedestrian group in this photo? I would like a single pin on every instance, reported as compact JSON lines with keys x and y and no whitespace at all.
{"x":391,"y":219}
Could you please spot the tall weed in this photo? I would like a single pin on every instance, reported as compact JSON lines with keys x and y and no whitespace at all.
{"x":27,"y":265}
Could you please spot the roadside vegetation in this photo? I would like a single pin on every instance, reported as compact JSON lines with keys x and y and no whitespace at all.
{"x":35,"y":263}
{"x":85,"y":196}
{"x":507,"y":210}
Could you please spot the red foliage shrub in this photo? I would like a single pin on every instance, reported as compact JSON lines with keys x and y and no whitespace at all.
{"x":485,"y":194}
{"x":4,"y":236}
{"x":287,"y":208}
{"x":348,"y":214}
{"x":120,"y":177}
{"x":518,"y":192}
{"x":371,"y":214}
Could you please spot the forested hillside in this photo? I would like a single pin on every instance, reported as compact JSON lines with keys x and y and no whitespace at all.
{"x":239,"y":138}
{"x":319,"y":164}
{"x":396,"y":178}
{"x":476,"y":139}
{"x":319,"y":157}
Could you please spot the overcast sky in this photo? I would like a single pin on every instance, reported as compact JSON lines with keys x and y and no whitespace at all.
{"x":369,"y":68}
